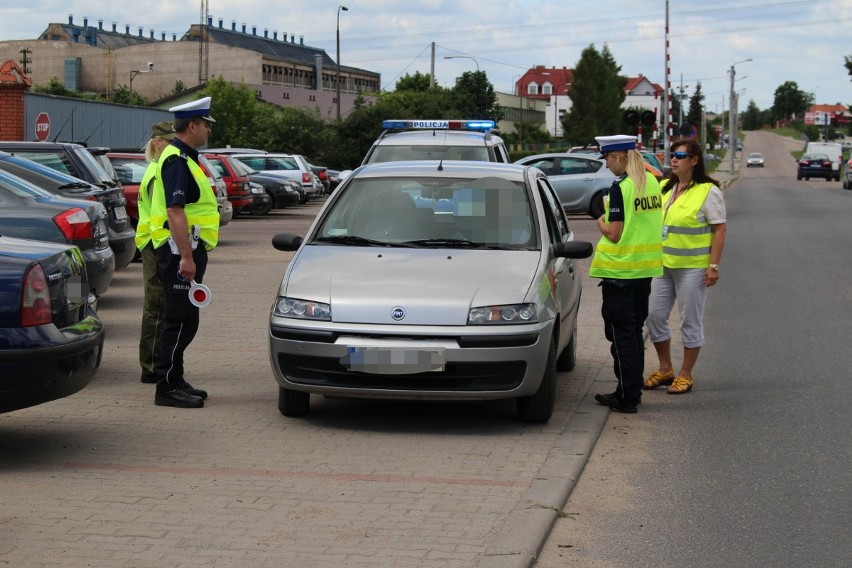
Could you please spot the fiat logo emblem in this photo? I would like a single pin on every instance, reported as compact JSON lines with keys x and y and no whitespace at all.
{"x":398,"y":313}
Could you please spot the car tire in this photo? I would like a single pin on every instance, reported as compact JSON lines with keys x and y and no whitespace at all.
{"x":596,"y":205}
{"x":538,"y":408}
{"x":799,"y":177}
{"x":265,"y":209}
{"x":568,"y":358}
{"x":292,"y":402}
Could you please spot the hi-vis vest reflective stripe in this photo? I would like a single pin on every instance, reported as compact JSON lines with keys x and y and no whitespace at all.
{"x":639,"y":252}
{"x":143,"y":204}
{"x":203,"y":213}
{"x":687,"y":242}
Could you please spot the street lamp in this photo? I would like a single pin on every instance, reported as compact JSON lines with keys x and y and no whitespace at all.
{"x":463,"y":57}
{"x":732,"y":99}
{"x":345,"y":9}
{"x":135,"y":72}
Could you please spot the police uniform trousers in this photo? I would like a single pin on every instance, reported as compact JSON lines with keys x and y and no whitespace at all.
{"x":153,"y":306}
{"x":624,"y":309}
{"x":180,"y":318}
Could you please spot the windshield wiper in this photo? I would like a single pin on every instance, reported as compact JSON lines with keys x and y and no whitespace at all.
{"x":75,"y":185}
{"x":438,"y":243}
{"x":359,"y":241}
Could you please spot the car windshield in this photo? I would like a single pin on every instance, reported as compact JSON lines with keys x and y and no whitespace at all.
{"x":755,"y":155}
{"x":400,"y":153}
{"x":56,"y":175}
{"x":487,"y":212}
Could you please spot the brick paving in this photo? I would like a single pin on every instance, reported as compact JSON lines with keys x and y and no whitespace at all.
{"x":105,"y":478}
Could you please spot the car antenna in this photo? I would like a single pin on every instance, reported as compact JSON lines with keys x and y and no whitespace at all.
{"x":64,"y":124}
{"x":93,"y":132}
{"x":441,"y":161}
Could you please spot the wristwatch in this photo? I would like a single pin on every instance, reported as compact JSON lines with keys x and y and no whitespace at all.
{"x":715,"y":267}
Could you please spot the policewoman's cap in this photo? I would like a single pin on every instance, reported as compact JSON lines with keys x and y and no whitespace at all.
{"x":195,"y":109}
{"x":164,"y":129}
{"x":616,"y":143}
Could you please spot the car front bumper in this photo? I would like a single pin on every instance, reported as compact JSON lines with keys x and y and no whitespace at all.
{"x":415,"y":362}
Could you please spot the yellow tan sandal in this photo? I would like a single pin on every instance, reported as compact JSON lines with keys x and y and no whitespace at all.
{"x":658,"y":378}
{"x":681,"y":385}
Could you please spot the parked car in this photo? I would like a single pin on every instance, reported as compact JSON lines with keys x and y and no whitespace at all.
{"x":815,"y":165}
{"x":76,"y":161}
{"x":261,"y":202}
{"x":226,"y":210}
{"x":580,"y":180}
{"x":322,"y":174}
{"x":29,"y":212}
{"x":237,"y":184}
{"x":333,"y":179}
{"x":754,"y":160}
{"x":291,"y":166}
{"x":282,"y":191}
{"x":430,"y":280}
{"x":847,"y":176}
{"x":51,"y":339}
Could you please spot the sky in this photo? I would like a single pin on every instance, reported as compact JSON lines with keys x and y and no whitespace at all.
{"x":768,"y":43}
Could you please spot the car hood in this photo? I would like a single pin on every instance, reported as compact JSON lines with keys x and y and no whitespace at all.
{"x":433,"y":286}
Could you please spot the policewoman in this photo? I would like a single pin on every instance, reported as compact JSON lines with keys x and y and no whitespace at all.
{"x":153,"y":304}
{"x":628,"y":255}
{"x":694,"y":238}
{"x":184,"y":227}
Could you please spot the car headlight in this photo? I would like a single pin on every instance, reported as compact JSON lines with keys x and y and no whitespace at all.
{"x":500,"y":315}
{"x":257,"y":189}
{"x":301,"y":309}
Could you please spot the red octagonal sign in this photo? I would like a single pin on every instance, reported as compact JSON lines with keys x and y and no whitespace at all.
{"x":42,"y":127}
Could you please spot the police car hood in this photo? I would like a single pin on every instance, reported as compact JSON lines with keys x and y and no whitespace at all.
{"x":433,"y":286}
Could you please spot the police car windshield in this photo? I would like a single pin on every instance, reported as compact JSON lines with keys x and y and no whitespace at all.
{"x":403,"y":153}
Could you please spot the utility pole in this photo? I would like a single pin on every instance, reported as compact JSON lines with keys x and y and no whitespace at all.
{"x":732,"y":102}
{"x":432,"y":69}
{"x":25,"y":60}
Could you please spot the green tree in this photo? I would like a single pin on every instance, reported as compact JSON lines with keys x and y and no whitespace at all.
{"x":596,"y":97}
{"x":848,"y":59}
{"x":235,"y":108}
{"x":790,"y":101}
{"x":474,"y":97}
{"x":417,"y":82}
{"x":752,"y":118}
{"x":696,"y":107}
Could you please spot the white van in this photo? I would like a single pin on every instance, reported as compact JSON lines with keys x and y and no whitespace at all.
{"x":831,"y":149}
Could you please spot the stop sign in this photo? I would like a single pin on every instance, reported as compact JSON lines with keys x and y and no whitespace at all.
{"x":42,"y":127}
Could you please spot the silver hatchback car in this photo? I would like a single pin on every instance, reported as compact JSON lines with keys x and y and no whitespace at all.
{"x":430,"y":280}
{"x":580,"y":179}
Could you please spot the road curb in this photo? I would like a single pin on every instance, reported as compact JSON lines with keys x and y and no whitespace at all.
{"x":520,"y":539}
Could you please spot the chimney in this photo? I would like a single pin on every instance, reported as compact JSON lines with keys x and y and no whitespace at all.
{"x":140,"y":32}
{"x":70,"y":19}
{"x":163,"y":36}
{"x":301,"y":40}
{"x":114,"y":26}
{"x":244,"y":28}
{"x":254,"y":30}
{"x":292,"y":38}
{"x":275,"y":35}
{"x":174,"y":37}
{"x":210,"y":21}
{"x":266,"y":32}
{"x":127,"y":29}
{"x":85,"y":21}
{"x":152,"y":33}
{"x":100,"y":25}
{"x":220,"y":23}
{"x":284,"y":37}
{"x":233,"y":25}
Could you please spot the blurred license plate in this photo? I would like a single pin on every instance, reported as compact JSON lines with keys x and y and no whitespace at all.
{"x":394,"y":361}
{"x":120,"y":213}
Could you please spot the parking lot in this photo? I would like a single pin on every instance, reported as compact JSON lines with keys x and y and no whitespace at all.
{"x":105,"y":478}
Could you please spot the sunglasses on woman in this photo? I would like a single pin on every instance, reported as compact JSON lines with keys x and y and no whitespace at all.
{"x":681,"y":155}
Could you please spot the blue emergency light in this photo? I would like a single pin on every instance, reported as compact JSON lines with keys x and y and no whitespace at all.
{"x":398,"y":124}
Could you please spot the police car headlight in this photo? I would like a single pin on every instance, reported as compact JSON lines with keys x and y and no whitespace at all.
{"x":301,"y":309}
{"x":497,"y":315}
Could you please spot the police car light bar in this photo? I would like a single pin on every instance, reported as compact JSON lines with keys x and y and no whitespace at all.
{"x":483,"y":125}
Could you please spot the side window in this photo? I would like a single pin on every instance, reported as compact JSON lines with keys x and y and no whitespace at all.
{"x":501,"y":154}
{"x":557,"y":224}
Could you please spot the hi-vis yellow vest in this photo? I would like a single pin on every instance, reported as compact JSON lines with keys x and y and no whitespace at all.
{"x":639,"y":252}
{"x":204,"y":213}
{"x":687,"y":242}
{"x":143,"y":204}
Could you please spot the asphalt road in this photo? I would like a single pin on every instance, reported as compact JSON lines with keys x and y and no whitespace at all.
{"x":753,"y":467}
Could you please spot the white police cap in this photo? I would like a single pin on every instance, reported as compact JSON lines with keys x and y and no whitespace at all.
{"x":616,"y":143}
{"x":195,"y":109}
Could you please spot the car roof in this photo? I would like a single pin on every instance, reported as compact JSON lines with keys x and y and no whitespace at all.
{"x":438,"y":137}
{"x":582,"y":155}
{"x":446,"y":168}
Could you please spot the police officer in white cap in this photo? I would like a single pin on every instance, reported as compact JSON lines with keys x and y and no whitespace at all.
{"x":184,"y":227}
{"x":628,"y":255}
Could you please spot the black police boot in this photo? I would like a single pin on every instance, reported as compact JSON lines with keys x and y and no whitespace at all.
{"x":617,"y":404}
{"x":179,"y":398}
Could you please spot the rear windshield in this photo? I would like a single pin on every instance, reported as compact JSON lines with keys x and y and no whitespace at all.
{"x":390,"y":153}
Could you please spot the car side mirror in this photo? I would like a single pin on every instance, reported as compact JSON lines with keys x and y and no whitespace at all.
{"x":286,"y":242}
{"x":573,"y":249}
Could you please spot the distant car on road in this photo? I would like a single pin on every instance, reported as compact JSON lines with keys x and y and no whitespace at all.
{"x":430,"y":280}
{"x":580,"y":180}
{"x":50,"y":336}
{"x":847,"y":176}
{"x":815,"y":165}
{"x":754,"y":160}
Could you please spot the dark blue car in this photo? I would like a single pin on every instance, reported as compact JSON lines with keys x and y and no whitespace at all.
{"x":51,"y":339}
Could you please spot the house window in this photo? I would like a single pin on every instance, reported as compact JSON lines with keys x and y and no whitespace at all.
{"x":532,"y":88}
{"x":547,"y":89}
